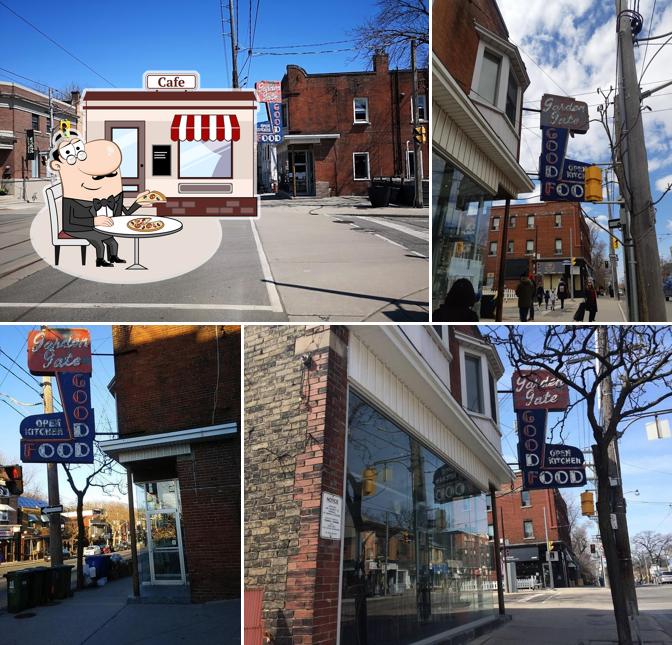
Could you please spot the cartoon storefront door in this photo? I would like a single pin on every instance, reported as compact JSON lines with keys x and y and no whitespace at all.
{"x":130,"y":137}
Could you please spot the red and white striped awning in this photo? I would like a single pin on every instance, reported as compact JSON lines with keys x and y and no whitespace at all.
{"x":205,"y":127}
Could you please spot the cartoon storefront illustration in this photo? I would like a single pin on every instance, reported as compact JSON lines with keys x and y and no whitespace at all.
{"x":196,"y":147}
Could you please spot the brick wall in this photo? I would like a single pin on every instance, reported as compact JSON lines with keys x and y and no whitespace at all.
{"x":543,"y":234}
{"x":509,"y":507}
{"x":295,"y":412}
{"x":323,"y":104}
{"x":210,"y":492}
{"x":458,"y":55}
{"x":167,"y":376}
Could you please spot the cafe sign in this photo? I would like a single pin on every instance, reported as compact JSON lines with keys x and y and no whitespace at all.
{"x":171,"y":80}
{"x":59,"y":350}
{"x":539,"y":390}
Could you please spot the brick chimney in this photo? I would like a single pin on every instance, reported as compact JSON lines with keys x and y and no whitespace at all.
{"x":74,"y":97}
{"x":381,"y":62}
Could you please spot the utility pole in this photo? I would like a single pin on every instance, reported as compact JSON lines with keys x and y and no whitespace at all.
{"x":617,"y":501}
{"x":417,"y":147}
{"x":612,"y":248}
{"x":234,"y":48}
{"x":502,"y":262}
{"x":637,"y":191}
{"x":496,"y":551}
{"x":571,"y":260}
{"x":548,"y":553}
{"x":55,"y":537}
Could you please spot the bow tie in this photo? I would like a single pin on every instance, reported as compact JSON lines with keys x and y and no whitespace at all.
{"x":99,"y":203}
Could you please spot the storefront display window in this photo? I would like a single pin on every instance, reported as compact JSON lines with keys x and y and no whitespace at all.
{"x":460,"y":213}
{"x":205,"y":159}
{"x":416,"y":560}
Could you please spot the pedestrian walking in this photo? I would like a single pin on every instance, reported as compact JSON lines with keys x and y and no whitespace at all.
{"x":547,"y":297}
{"x":553,"y":296}
{"x":457,"y":307}
{"x":540,"y":296}
{"x":611,"y":290}
{"x":591,"y":301}
{"x":562,"y":293}
{"x":525,"y":292}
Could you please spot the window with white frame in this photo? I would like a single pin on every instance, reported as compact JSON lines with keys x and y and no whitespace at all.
{"x":361,"y":109}
{"x":422,"y":108}
{"x":511,"y":106}
{"x":558,"y":246}
{"x":493,"y":396}
{"x":558,"y":220}
{"x":528,"y":531}
{"x":512,"y":221}
{"x":511,"y":246}
{"x":495,"y":223}
{"x":489,"y":280}
{"x":4,"y":516}
{"x":525,"y":498}
{"x":530,"y":221}
{"x":493,"y":248}
{"x":529,"y":247}
{"x":474,"y":383}
{"x":488,"y":81}
{"x":360,"y":165}
{"x":410,"y":164}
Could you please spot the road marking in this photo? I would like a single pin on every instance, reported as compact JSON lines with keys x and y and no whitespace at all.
{"x":382,"y":237}
{"x":133,"y":305}
{"x":625,"y":318}
{"x":420,"y":255}
{"x":536,"y":595}
{"x":273,"y":295}
{"x":397,"y":227}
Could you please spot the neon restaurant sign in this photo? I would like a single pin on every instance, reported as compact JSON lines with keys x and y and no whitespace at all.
{"x":544,"y":465}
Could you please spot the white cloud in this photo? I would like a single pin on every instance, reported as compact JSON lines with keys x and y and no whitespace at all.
{"x":663,"y":182}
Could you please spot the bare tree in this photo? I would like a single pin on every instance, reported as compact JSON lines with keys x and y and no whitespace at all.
{"x":638,"y":361}
{"x":598,"y":258}
{"x":394,"y":25}
{"x":655,"y":545}
{"x":103,"y":474}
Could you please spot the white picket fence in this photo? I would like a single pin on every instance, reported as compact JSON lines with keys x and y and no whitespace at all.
{"x":471,"y":585}
{"x":527,"y":583}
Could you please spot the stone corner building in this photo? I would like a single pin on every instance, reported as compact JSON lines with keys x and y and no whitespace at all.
{"x":368,"y":455}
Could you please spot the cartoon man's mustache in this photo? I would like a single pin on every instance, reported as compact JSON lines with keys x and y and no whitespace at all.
{"x":112,"y":174}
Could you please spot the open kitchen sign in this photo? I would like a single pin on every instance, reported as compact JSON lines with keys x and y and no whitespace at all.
{"x":539,"y":390}
{"x":48,"y":438}
{"x":59,"y":350}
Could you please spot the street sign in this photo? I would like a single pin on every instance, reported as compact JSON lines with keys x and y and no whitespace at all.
{"x":539,"y":390}
{"x":59,"y":350}
{"x":48,"y":510}
{"x":615,"y":222}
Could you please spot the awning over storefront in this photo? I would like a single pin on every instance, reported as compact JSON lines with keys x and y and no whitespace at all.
{"x":205,"y":127}
{"x":6,"y":507}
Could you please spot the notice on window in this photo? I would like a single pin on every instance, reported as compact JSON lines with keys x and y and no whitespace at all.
{"x":161,"y":161}
{"x":330,"y":517}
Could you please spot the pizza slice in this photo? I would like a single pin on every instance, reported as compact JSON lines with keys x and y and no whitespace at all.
{"x":153,"y":197}
{"x":145,"y":224}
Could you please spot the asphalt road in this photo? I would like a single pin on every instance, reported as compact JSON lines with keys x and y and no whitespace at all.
{"x":287,"y":265}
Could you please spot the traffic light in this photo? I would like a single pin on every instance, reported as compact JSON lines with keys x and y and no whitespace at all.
{"x":549,"y":545}
{"x":574,"y":261}
{"x":420,"y":134}
{"x":369,"y":481}
{"x":593,"y":184}
{"x":13,"y":478}
{"x":587,"y":504}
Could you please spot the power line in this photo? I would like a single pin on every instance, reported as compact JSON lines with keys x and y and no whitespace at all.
{"x":32,"y":80}
{"x":330,"y":42}
{"x":50,"y":39}
{"x":308,"y":53}
{"x":21,"y":414}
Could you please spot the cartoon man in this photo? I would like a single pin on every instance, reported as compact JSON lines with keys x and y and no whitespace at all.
{"x":92,"y":190}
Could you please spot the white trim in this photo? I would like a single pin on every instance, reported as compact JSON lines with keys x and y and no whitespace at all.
{"x":343,"y":509}
{"x":368,"y":167}
{"x":116,"y":447}
{"x":421,"y":119}
{"x":355,"y":120}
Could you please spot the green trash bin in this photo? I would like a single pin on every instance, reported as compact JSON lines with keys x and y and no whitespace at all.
{"x":41,"y":585}
{"x":62,"y":576}
{"x":35,"y":577}
{"x":17,"y":591}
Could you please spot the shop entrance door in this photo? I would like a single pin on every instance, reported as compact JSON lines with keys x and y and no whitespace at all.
{"x":164,"y":541}
{"x":301,"y":172}
{"x":130,"y":137}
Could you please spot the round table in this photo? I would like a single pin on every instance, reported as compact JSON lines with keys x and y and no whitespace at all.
{"x":120,"y":229}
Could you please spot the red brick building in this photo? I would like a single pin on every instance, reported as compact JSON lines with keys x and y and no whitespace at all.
{"x":344,"y":128}
{"x":368,"y":454}
{"x":542,"y":239}
{"x":23,"y":109}
{"x":178,"y":409}
{"x":523,"y":531}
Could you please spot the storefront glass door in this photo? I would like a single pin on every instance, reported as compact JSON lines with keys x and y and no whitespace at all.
{"x":130,"y":137}
{"x":165,"y":547}
{"x":301,"y":172}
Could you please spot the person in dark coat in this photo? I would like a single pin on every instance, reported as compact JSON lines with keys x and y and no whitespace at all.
{"x":540,"y":295}
{"x":591,"y":301}
{"x":525,"y":292}
{"x":458,"y":304}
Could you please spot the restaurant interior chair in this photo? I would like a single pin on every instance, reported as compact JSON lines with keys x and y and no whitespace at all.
{"x":59,"y":237}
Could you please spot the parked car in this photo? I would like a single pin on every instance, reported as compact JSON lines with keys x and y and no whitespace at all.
{"x":665,"y":576}
{"x":93,"y":549}
{"x":667,"y":287}
{"x":66,"y":555}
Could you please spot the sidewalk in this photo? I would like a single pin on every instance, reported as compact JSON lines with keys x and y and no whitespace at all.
{"x":609,"y":310}
{"x":101,"y":616}
{"x":352,"y":205}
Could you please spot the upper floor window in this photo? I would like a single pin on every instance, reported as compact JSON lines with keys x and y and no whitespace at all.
{"x":558,"y":220}
{"x":493,"y":396}
{"x":4,"y":516}
{"x":361,"y":109}
{"x":528,"y":531}
{"x":511,"y":246}
{"x":495,"y":223}
{"x":285,"y":116}
{"x":558,"y":246}
{"x":512,"y":221}
{"x":493,"y":248}
{"x":489,"y":78}
{"x":474,"y":383}
{"x":36,"y":122}
{"x":491,"y":532}
{"x":529,"y":247}
{"x":525,"y":498}
{"x":530,"y":221}
{"x":511,"y":107}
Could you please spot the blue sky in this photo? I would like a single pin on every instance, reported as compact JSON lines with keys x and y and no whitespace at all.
{"x":646,"y":465}
{"x":13,"y":344}
{"x":122,"y":40}
{"x":569,"y":48}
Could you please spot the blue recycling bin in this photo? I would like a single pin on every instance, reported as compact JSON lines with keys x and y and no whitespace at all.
{"x":101,"y":563}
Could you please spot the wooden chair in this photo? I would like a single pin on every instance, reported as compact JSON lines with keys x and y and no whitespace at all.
{"x":59,"y":237}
